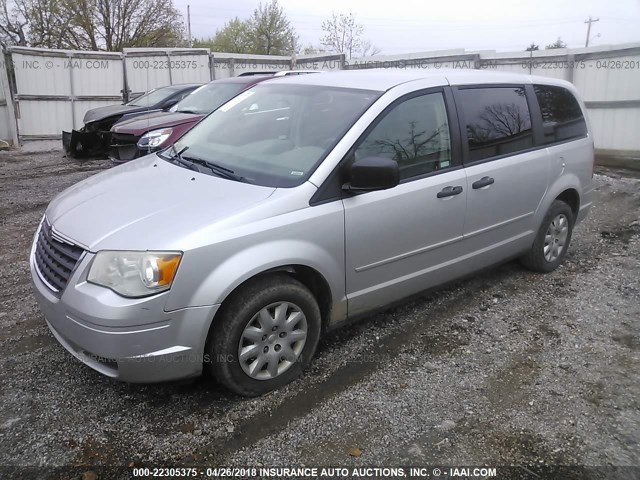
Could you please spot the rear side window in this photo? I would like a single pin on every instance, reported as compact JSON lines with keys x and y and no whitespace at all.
{"x":497,"y":121}
{"x":562,"y":117}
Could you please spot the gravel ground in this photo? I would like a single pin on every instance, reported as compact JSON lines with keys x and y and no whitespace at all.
{"x":509,"y":367}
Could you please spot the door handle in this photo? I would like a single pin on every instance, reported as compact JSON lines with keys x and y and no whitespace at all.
{"x":449,"y":191}
{"x":483,"y":182}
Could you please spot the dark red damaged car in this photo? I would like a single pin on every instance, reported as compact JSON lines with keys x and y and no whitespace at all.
{"x":93,"y":139}
{"x":139,"y":136}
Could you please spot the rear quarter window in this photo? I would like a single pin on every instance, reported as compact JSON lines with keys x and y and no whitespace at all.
{"x":562,"y":117}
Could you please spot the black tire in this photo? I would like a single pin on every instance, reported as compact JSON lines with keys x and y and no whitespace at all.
{"x":227,"y":329}
{"x":535,"y":259}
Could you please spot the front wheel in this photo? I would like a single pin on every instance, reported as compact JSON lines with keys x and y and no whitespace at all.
{"x":552,"y":241}
{"x":265,"y":336}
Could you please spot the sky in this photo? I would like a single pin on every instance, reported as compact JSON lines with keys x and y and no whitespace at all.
{"x":404,"y":26}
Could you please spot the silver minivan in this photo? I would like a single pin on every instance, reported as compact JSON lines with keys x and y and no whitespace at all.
{"x":303,"y":203}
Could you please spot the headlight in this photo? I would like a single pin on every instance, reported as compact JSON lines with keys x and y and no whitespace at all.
{"x":154,"y":138}
{"x":134,"y":274}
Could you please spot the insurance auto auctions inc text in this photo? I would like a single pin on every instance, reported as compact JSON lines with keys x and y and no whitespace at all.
{"x":376,"y":472}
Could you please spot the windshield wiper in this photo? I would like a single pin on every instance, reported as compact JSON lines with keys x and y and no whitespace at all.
{"x":193,"y":162}
{"x":186,"y":110}
{"x":177,"y":157}
{"x":217,"y":169}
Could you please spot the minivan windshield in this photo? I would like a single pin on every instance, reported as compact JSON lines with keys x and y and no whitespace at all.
{"x":208,"y":97}
{"x":275,"y":134}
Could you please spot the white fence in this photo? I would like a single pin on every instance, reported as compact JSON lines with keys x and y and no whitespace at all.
{"x":54,"y":88}
{"x":145,"y":69}
{"x":224,"y":65}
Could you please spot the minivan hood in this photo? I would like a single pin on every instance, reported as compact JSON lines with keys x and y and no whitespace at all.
{"x":152,"y":121}
{"x":147,"y":204}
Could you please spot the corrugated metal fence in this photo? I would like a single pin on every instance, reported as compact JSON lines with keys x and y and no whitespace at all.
{"x":54,"y":88}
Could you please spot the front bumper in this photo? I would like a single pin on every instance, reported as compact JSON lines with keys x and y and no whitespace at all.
{"x":124,"y":148}
{"x":133,"y":340}
{"x":83,"y":143}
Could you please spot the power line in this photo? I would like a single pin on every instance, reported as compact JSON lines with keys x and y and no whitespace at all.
{"x":401,"y":21}
{"x":396,"y":24}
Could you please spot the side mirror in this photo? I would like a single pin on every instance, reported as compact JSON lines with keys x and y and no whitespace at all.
{"x":373,"y":173}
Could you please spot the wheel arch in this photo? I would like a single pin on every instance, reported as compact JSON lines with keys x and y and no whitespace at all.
{"x":565,"y":188}
{"x":571,"y":197}
{"x":308,"y":276}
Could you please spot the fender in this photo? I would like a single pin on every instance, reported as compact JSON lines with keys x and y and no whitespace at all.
{"x":567,"y":181}
{"x":252,"y":261}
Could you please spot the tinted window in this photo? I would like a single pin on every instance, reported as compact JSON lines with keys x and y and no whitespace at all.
{"x":497,"y":121}
{"x":415,"y":134}
{"x":561,"y":115}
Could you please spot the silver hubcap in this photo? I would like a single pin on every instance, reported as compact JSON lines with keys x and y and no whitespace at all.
{"x":556,"y":238}
{"x":272,"y":340}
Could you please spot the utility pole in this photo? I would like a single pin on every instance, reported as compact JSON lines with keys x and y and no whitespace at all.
{"x":189,"y":25}
{"x":589,"y":22}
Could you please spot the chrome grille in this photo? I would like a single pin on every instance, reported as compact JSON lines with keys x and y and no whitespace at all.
{"x":55,"y":258}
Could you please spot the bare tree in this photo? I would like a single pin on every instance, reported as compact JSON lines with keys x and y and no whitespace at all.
{"x":13,"y":24}
{"x":311,"y":49}
{"x":116,"y":24}
{"x":368,"y":49}
{"x":342,"y":34}
{"x":271,"y":31}
{"x":92,"y":24}
{"x":419,"y":144}
{"x":498,"y":121}
{"x":48,"y":24}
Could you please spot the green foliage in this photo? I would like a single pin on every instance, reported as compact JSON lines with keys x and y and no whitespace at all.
{"x":557,"y":44}
{"x":271,"y":31}
{"x":234,"y":37}
{"x":266,"y":32}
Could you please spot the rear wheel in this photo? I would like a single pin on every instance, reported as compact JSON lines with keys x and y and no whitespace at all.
{"x":265,"y":336}
{"x":552,"y":241}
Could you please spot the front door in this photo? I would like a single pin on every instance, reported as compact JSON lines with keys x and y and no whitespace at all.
{"x":403,"y":240}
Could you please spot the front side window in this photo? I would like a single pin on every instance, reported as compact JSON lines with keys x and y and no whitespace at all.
{"x":562,"y":117}
{"x":497,"y":121}
{"x":415,"y":133}
{"x":275,"y":134}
